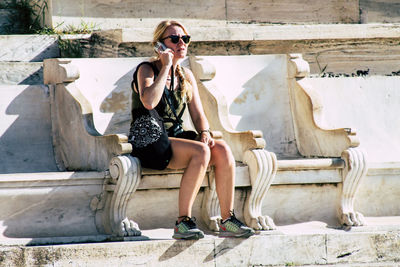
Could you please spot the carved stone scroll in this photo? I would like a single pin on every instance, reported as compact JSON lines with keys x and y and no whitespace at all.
{"x":210,"y":211}
{"x":111,"y":218}
{"x":262,"y":166}
{"x":58,"y":71}
{"x":355,"y":170}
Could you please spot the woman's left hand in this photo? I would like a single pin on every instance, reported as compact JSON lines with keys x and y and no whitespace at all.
{"x":207,"y":139}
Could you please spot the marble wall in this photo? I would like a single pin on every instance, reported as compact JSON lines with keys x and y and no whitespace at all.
{"x":108,"y":14}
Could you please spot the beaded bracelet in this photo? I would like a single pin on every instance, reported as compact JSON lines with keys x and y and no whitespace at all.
{"x":205,"y":131}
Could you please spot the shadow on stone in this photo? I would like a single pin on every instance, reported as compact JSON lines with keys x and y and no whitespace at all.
{"x":26,"y":144}
{"x":176,"y":248}
{"x":224,"y":247}
{"x":34,"y":78}
{"x":51,"y":51}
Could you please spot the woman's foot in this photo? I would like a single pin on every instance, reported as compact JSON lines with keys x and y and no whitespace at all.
{"x":232,"y":227}
{"x":187,"y":229}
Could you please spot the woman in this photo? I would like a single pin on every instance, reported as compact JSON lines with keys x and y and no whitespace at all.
{"x":163,"y":85}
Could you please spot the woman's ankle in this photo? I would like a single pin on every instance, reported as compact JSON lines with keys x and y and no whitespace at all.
{"x":226,"y":215}
{"x":181,"y":218}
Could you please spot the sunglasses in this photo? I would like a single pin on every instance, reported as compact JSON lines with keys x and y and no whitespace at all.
{"x":175,"y":38}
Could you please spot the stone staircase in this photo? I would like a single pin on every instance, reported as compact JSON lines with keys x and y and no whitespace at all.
{"x":26,"y":132}
{"x":26,"y":151}
{"x":330,"y":49}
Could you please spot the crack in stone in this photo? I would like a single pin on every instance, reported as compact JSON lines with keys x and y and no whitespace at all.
{"x":347,"y":254}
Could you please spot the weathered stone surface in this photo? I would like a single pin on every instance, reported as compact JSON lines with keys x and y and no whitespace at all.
{"x":329,"y":49}
{"x":99,"y":45}
{"x":135,"y":13}
{"x":364,"y":248}
{"x":388,"y":246}
{"x":370,"y":264}
{"x":258,"y":86}
{"x":358,"y":248}
{"x":311,"y":244}
{"x":288,"y":11}
{"x":21,"y":73}
{"x":28,"y":47}
{"x":275,"y":250}
{"x":146,"y":14}
{"x":387,"y":11}
{"x":206,"y":10}
{"x":378,"y":194}
{"x":165,"y":253}
{"x":25,"y":129}
{"x":346,"y":57}
{"x":364,"y":93}
{"x":289,"y":204}
{"x":42,"y":205}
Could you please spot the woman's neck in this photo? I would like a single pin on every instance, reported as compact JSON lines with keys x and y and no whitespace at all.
{"x":175,"y":64}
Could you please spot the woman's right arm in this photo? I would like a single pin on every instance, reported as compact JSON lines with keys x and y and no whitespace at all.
{"x":150,"y":89}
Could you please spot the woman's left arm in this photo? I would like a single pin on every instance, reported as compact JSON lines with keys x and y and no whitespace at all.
{"x":197,"y":112}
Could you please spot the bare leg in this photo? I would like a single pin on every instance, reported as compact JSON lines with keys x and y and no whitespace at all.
{"x":195,"y":157}
{"x":222,"y":159}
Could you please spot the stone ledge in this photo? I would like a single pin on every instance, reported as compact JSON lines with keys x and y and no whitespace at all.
{"x":31,"y":47}
{"x":313,"y":243}
{"x":52,"y":179}
{"x":254,"y":32}
{"x":294,"y":175}
{"x":379,"y":168}
{"x":27,"y":73}
{"x":334,"y":49}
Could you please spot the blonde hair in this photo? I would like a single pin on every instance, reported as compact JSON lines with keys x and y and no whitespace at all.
{"x":185,"y":85}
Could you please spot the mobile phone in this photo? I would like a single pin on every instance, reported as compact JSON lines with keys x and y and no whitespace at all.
{"x":159,"y":47}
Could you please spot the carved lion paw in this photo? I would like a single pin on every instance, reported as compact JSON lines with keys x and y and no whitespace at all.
{"x":262,"y":223}
{"x":213,"y":224}
{"x":352,"y":219}
{"x":129,"y":228}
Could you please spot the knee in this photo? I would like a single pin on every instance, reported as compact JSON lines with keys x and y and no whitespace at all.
{"x":203,"y":153}
{"x":223,"y":153}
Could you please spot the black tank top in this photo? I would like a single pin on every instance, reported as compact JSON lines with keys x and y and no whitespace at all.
{"x":162,"y":107}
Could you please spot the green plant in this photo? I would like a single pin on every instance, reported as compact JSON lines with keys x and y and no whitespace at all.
{"x":84,"y":27}
{"x":69,"y":48}
{"x":72,"y":47}
{"x":31,"y":14}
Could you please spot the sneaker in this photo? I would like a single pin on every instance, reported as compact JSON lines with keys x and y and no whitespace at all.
{"x":232,"y":227}
{"x":187,"y":229}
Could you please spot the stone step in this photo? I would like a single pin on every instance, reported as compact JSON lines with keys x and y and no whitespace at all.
{"x":28,"y":47}
{"x":117,"y":14}
{"x":311,"y":243}
{"x":28,"y":73}
{"x":262,"y":32}
{"x":350,"y":49}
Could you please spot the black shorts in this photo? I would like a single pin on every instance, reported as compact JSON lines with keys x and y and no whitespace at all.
{"x":157,"y":158}
{"x":157,"y":155}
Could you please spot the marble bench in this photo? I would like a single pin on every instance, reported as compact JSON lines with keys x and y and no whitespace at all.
{"x":90,"y":107}
{"x":265,"y":92}
{"x":292,"y":166}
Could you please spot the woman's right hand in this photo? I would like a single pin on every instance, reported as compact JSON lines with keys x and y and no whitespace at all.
{"x":166,"y":57}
